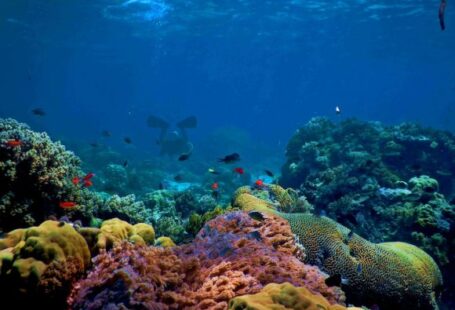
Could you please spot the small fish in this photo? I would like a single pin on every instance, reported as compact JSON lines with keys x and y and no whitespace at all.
{"x":336,"y":280}
{"x":67,"y":204}
{"x":88,"y":176}
{"x":13,"y":143}
{"x":442,"y":9}
{"x":125,"y":163}
{"x":229,"y":159}
{"x":255,"y":215}
{"x":106,"y":133}
{"x":269,"y":173}
{"x":88,"y":183}
{"x":184,"y":157}
{"x":359,"y":268}
{"x":350,"y":234}
{"x":161,"y":186}
{"x":127,"y":140}
{"x":75,"y":180}
{"x":213,"y":171}
{"x":38,"y":112}
{"x":216,"y":195}
{"x":214,"y":186}
{"x":337,"y":110}
{"x":239,"y":170}
{"x":259,"y":183}
{"x":178,"y":178}
{"x":94,"y":144}
{"x":255,"y":235}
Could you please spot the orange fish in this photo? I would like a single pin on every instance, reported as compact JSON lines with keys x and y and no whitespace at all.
{"x":75,"y":180}
{"x":89,"y":176}
{"x":67,"y":204}
{"x":259,"y":183}
{"x":215,"y":186}
{"x":14,"y":142}
{"x":239,"y":170}
{"x":88,"y":183}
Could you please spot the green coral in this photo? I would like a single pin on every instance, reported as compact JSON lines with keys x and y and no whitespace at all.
{"x":392,"y":275}
{"x":196,"y":221}
{"x":38,"y":264}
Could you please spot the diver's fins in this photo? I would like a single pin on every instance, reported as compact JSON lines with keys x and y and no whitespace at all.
{"x":156,"y":122}
{"x":189,"y":122}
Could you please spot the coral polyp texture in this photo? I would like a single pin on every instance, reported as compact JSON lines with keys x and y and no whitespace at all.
{"x":39,"y":264}
{"x":232,"y":255}
{"x":33,"y":175}
{"x":283,"y":296}
{"x":393,"y":275}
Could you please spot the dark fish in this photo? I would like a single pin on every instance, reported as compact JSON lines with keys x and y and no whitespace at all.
{"x":125,"y":163}
{"x":255,"y":215}
{"x":269,"y":173}
{"x":94,"y":144}
{"x":442,"y":9}
{"x":106,"y":133}
{"x":161,"y":186}
{"x":334,"y":280}
{"x":255,"y":235}
{"x":38,"y":112}
{"x":216,"y":195}
{"x":350,"y":234}
{"x":178,"y":178}
{"x":184,"y":157}
{"x":359,"y":268}
{"x":127,"y":140}
{"x":229,"y":159}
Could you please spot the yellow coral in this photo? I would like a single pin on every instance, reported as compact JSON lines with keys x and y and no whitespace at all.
{"x":283,"y":296}
{"x":164,"y":242}
{"x":26,"y":254}
{"x":388,"y":274}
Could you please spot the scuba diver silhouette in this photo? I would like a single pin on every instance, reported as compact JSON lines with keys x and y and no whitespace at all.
{"x":173,"y":142}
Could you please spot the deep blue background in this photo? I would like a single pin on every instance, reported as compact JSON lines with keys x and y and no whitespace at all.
{"x":265,"y":67}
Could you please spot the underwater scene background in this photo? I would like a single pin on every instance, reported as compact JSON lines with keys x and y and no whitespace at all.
{"x":227,"y":154}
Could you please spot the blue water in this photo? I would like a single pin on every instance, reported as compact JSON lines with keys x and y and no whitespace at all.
{"x":264,"y":67}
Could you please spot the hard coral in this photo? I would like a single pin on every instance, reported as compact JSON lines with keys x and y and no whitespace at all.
{"x":33,"y":175}
{"x":283,"y":296}
{"x":392,"y":275}
{"x":39,"y":264}
{"x":232,"y":255}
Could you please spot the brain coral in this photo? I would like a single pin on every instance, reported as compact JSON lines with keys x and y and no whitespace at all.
{"x":283,"y":296}
{"x":232,"y":255}
{"x":391,"y":275}
{"x":38,"y":264}
{"x":33,"y":175}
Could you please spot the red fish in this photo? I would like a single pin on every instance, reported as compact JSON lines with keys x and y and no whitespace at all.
{"x":14,"y":142}
{"x":88,"y":183}
{"x":215,"y":186}
{"x":88,"y":176}
{"x":67,"y":204}
{"x":239,"y":170}
{"x":259,"y":183}
{"x":75,"y":180}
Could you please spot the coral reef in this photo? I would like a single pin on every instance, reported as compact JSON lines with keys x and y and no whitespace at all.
{"x":283,"y":296}
{"x":232,"y":255}
{"x":39,"y":264}
{"x":391,"y":275}
{"x":385,"y":183}
{"x":34,"y":175}
{"x":126,"y":208}
{"x":164,"y":242}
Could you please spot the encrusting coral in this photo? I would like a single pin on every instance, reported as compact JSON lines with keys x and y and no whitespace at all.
{"x":234,"y":254}
{"x":392,"y":275}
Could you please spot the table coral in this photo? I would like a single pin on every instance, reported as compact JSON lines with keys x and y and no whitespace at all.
{"x":391,"y":275}
{"x":232,"y":255}
{"x":283,"y":296}
{"x":38,"y":264}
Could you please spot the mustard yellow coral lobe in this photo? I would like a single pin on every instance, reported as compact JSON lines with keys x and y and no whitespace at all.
{"x":394,"y":275}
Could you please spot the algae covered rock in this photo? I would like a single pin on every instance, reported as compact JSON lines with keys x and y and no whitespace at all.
{"x":39,"y":264}
{"x":391,"y":275}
